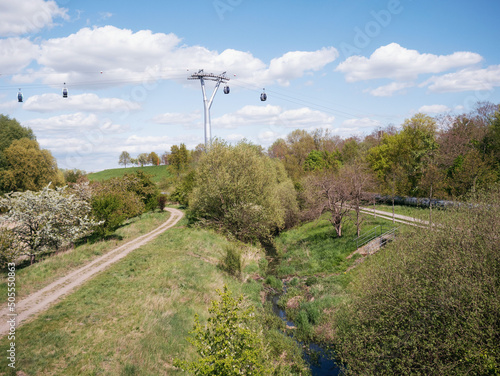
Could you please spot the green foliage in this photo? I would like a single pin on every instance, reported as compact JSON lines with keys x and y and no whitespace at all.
{"x":11,"y":130}
{"x":322,"y":160}
{"x":241,"y":191}
{"x":429,"y":303}
{"x":178,"y":158}
{"x":231,"y":343}
{"x":274,"y":282}
{"x":73,"y":176}
{"x":184,"y":189}
{"x":46,"y":219}
{"x":232,"y":260}
{"x":141,"y":184}
{"x":27,"y":167}
{"x":112,"y":203}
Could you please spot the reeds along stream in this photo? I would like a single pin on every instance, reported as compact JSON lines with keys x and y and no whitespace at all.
{"x":315,"y":356}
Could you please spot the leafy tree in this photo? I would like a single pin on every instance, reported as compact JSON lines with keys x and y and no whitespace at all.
{"x":154,"y":159}
{"x":322,"y":160}
{"x":124,"y":159}
{"x":231,"y":343}
{"x":178,"y":158}
{"x":428,"y":304}
{"x":28,"y":167}
{"x":143,"y":159}
{"x":46,"y":219}
{"x":239,"y":190}
{"x":11,"y":130}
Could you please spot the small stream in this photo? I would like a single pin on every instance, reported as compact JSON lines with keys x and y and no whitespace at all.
{"x":316,"y":357}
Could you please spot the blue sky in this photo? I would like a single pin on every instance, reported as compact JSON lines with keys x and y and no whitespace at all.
{"x":347,"y":66}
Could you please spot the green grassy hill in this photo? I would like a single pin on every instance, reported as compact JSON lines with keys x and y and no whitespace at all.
{"x":159,"y":173}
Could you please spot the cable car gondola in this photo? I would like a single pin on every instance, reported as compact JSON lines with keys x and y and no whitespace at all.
{"x":20,"y":96}
{"x":263,"y":96}
{"x":65,"y":91}
{"x":226,"y":89}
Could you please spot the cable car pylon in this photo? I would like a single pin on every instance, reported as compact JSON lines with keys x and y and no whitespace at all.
{"x":207,"y":103}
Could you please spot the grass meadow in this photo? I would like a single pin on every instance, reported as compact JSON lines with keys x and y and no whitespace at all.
{"x":159,"y":173}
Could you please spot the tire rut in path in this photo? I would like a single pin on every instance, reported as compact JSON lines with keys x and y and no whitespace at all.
{"x":42,"y":299}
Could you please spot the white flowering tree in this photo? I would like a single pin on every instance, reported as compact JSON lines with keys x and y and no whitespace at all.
{"x":47,"y":219}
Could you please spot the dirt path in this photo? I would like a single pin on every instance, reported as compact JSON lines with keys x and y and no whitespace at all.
{"x":397,"y":217}
{"x":42,"y":299}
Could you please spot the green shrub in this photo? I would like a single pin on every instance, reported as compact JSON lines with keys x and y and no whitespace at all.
{"x":429,"y":303}
{"x":274,"y":282}
{"x":113,"y":204}
{"x":263,"y":265}
{"x":232,"y":260}
{"x":231,"y":343}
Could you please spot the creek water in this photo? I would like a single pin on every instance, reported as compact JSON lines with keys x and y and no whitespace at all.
{"x":315,"y":356}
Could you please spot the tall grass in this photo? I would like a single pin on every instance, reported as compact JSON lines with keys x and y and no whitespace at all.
{"x":50,"y":267}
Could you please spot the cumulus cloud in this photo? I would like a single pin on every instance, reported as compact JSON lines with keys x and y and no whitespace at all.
{"x":399,"y":63}
{"x":390,"y":89}
{"x":22,"y":17}
{"x":16,"y":54}
{"x":274,"y":116}
{"x":178,"y":118}
{"x":434,"y":109}
{"x":466,"y":80}
{"x":74,"y":123}
{"x":144,"y":56}
{"x":81,"y":102}
{"x":294,"y":64}
{"x":355,"y":124}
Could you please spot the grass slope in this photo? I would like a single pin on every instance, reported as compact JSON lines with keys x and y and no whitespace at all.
{"x":133,"y":319}
{"x":159,"y":173}
{"x":313,"y":262}
{"x":32,"y":278}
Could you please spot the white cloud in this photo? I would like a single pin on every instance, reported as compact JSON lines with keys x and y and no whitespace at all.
{"x":75,"y":123}
{"x":274,"y":116}
{"x":16,"y":54}
{"x":390,"y":89}
{"x":296,"y":63}
{"x":434,"y":109}
{"x":82,"y":102}
{"x":21,"y":17}
{"x":234,"y":137}
{"x":466,"y":80}
{"x":361,"y":123}
{"x":144,"y":57}
{"x":178,"y":118}
{"x":399,"y":63}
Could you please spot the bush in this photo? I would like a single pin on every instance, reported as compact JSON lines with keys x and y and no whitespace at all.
{"x":231,"y":343}
{"x":232,"y":260}
{"x":428,"y":304}
{"x":113,"y":204}
{"x":162,"y":202}
{"x":274,"y":282}
{"x":242,"y":192}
